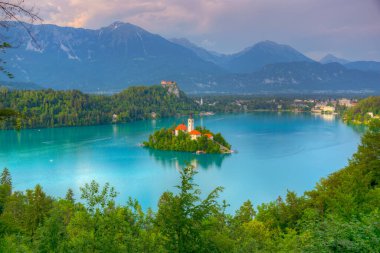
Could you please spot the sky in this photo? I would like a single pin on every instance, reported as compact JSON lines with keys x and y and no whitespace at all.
{"x":345,"y":28}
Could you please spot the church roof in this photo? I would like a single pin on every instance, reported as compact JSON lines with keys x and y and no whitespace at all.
{"x":181,"y":127}
{"x":195,"y":132}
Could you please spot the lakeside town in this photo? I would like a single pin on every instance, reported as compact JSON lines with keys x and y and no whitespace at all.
{"x":324,"y":106}
{"x":251,"y":103}
{"x":211,"y":104}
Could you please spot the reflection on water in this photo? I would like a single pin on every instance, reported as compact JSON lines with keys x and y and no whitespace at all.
{"x":276,"y":152}
{"x":178,"y":160}
{"x":326,"y":117}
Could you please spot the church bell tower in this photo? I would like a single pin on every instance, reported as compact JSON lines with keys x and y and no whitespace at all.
{"x":190,"y":123}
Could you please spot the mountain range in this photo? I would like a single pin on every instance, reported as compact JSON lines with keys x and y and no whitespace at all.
{"x":112,"y":58}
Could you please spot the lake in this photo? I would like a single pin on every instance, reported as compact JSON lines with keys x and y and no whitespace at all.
{"x":276,"y":152}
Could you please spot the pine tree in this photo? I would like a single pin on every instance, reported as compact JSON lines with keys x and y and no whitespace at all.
{"x":6,"y":177}
{"x":5,"y":188}
{"x":70,"y":195}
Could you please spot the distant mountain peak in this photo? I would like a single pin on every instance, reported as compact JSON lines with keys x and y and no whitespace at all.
{"x":263,"y":53}
{"x":118,"y":22}
{"x":329,"y":58}
{"x":119,"y":25}
{"x":267,"y":43}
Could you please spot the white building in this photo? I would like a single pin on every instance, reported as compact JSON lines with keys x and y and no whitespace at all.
{"x":345,"y":102}
{"x":190,"y":124}
{"x":194,"y":134}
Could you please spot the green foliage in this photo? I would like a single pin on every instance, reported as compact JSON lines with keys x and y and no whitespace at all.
{"x":354,"y":189}
{"x":165,"y":139}
{"x":220,"y":139}
{"x":49,"y":108}
{"x":359,"y":113}
{"x":341,"y":214}
{"x":6,"y":178}
{"x":98,"y":200}
{"x":12,"y":117}
{"x":336,"y":235}
{"x":183,"y":218}
{"x":5,"y":188}
{"x":70,"y":195}
{"x":7,"y":113}
{"x":245,"y":213}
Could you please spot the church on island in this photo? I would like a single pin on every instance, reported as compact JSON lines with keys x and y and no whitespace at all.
{"x":188,"y":138}
{"x":194,"y":134}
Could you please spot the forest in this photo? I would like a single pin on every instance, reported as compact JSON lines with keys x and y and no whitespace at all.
{"x":360,"y":114}
{"x":341,"y":214}
{"x":164,"y":139}
{"x":50,"y":108}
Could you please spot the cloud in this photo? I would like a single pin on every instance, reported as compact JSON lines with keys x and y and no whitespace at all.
{"x":348,"y":27}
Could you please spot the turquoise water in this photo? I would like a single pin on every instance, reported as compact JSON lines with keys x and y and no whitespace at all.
{"x":276,"y":152}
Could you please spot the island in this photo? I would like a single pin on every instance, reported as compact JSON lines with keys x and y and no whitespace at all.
{"x":188,"y":139}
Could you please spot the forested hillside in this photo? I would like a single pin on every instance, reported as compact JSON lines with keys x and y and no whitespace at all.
{"x":364,"y":111}
{"x":49,"y":108}
{"x":341,"y":214}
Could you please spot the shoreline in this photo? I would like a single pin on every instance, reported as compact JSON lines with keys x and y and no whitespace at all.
{"x":177,"y":116}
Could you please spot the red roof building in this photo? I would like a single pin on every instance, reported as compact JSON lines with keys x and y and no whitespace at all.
{"x":194,"y":134}
{"x":165,"y":83}
{"x":181,"y":127}
{"x":209,"y":136}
